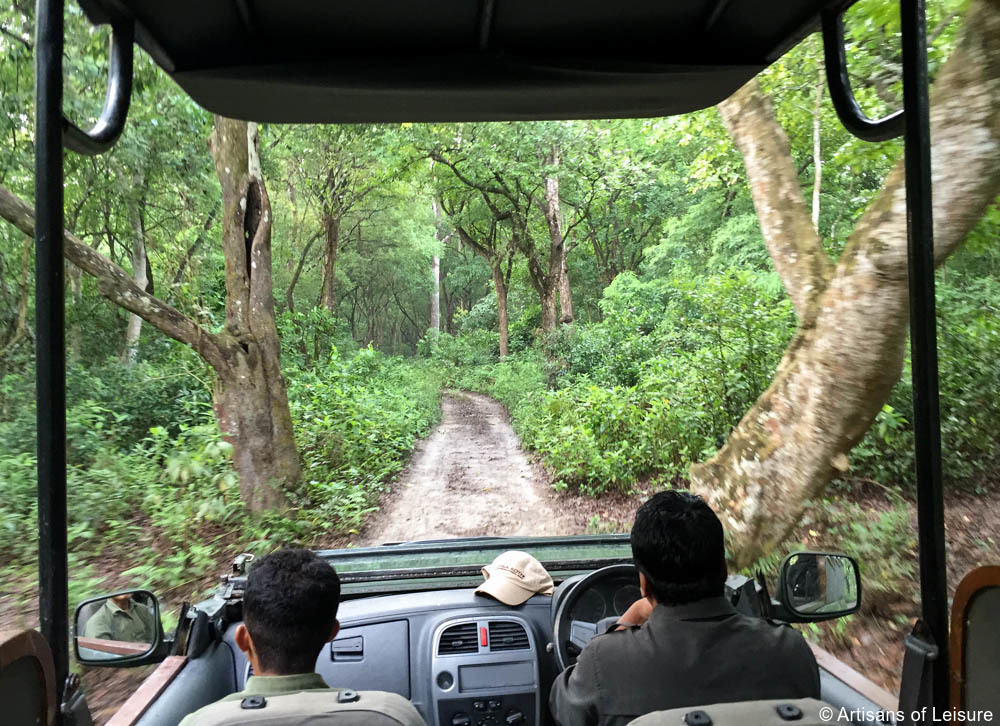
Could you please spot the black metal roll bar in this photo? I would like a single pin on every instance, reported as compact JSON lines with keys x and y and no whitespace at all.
{"x":926,"y":660}
{"x":53,"y":131}
{"x":50,"y":349}
{"x":111,"y":123}
{"x":931,"y":633}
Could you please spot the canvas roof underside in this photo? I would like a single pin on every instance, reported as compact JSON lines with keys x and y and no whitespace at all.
{"x":461,"y":60}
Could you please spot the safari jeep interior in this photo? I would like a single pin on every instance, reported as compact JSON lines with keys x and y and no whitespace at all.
{"x":411,"y":623}
{"x":463,"y":658}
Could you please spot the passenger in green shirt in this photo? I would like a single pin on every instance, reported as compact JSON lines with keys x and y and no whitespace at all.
{"x":289,"y":614}
{"x":121,"y":618}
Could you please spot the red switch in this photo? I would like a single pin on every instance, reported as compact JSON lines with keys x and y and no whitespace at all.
{"x":483,"y":641}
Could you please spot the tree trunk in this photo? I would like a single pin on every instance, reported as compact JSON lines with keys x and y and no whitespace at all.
{"x":331,"y":234}
{"x":817,"y":148}
{"x":74,"y":333}
{"x":565,"y":293}
{"x":549,"y":282}
{"x":848,"y":351}
{"x":436,"y":273}
{"x":189,"y":254}
{"x":501,"y":289}
{"x":139,"y":265}
{"x":436,"y":294}
{"x":251,"y":401}
{"x":290,"y":294}
{"x":20,"y":331}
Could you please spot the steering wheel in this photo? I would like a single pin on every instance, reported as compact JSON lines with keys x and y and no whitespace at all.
{"x":570,"y":634}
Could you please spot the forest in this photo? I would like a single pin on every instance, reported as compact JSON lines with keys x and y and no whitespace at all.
{"x":262,"y":319}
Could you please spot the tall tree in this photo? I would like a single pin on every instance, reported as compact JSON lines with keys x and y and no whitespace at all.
{"x":848,"y":352}
{"x":250,"y":400}
{"x":339,"y":166}
{"x":550,"y":281}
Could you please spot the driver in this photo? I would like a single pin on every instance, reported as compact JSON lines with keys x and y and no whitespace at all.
{"x":122,"y":618}
{"x":289,"y":614}
{"x":682,"y":644}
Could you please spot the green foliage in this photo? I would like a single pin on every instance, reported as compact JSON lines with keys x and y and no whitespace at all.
{"x":356,"y":422}
{"x":657,"y":385}
{"x":174,"y":490}
{"x":968,"y":338}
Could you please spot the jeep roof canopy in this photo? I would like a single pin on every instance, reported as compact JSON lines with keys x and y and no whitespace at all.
{"x":391,"y":60}
{"x":459,"y":60}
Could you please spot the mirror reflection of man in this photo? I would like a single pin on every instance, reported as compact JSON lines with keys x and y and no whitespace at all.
{"x":122,"y":618}
{"x":683,"y":643}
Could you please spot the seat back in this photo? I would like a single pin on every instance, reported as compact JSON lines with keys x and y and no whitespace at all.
{"x":975,"y":642}
{"x":788,"y":712}
{"x":315,"y":708}
{"x":27,"y":678}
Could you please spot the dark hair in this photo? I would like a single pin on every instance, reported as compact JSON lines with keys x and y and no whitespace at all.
{"x":677,"y":543}
{"x":289,"y":607}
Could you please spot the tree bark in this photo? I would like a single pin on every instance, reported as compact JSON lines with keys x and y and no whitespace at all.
{"x":848,"y":352}
{"x":331,"y":235}
{"x":250,"y":398}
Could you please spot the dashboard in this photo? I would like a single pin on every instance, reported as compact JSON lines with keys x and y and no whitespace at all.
{"x":462,"y":659}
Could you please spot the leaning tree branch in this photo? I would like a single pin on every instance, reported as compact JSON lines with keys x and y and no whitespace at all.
{"x":792,"y":242}
{"x":117,"y":286}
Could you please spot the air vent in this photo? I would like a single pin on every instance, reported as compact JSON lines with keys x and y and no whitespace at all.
{"x":507,"y":636}
{"x":458,"y":639}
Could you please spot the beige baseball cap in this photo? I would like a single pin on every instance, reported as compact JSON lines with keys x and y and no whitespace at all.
{"x":513,"y":577}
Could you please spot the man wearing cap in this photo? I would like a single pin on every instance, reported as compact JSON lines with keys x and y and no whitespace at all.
{"x":514,"y":577}
{"x":682,"y":644}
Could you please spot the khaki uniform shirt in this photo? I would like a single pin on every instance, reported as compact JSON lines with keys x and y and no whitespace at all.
{"x":688,"y":655}
{"x":311,"y":683}
{"x":111,"y":622}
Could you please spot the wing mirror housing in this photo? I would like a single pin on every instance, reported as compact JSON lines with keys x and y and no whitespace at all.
{"x":817,"y":586}
{"x":119,"y":630}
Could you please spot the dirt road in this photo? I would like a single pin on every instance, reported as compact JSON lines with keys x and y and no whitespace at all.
{"x":470,"y":478}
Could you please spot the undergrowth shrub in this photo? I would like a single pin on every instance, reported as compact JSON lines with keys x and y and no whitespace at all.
{"x":168,"y":501}
{"x":356,"y":422}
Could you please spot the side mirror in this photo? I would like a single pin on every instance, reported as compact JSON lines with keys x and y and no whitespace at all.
{"x":122,"y":629}
{"x":815,"y":586}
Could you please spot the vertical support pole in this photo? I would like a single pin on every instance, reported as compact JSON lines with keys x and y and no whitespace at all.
{"x":50,"y":368}
{"x":923,"y":343}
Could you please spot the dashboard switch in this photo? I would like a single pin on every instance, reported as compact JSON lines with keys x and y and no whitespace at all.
{"x":514,"y":718}
{"x":495,"y":705}
{"x":460,"y":719}
{"x":479,"y":705}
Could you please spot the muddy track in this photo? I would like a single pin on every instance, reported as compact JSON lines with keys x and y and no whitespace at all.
{"x":469,"y":478}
